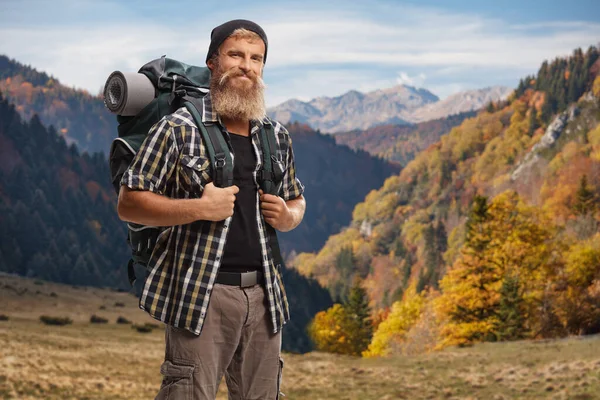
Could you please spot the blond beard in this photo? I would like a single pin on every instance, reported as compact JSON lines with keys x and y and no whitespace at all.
{"x":246,"y":102}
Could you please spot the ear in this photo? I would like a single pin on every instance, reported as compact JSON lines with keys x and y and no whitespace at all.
{"x":210,"y":64}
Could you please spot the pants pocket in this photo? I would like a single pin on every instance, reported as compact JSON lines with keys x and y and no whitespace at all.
{"x":279,"y":377}
{"x":177,"y":381}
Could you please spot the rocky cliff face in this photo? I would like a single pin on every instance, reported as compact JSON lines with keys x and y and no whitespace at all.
{"x":551,"y":135}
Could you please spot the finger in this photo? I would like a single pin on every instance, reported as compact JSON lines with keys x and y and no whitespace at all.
{"x":269,"y":198}
{"x":270,"y":206}
{"x":208,"y":185}
{"x":270,"y":214}
{"x":260,"y":192}
{"x":233,"y":189}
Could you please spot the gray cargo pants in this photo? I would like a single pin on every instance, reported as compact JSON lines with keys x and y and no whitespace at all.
{"x":236,"y":340}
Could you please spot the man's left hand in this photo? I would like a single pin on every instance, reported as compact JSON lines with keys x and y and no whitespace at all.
{"x":275,"y":210}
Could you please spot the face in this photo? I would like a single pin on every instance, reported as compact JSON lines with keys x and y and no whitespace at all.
{"x":236,"y":85}
{"x":241,"y":58}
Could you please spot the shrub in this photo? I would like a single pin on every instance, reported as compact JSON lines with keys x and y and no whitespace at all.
{"x":98,"y":320}
{"x":142,"y":328}
{"x":122,"y":320}
{"x":55,"y":320}
{"x":119,"y":304}
{"x":3,"y":317}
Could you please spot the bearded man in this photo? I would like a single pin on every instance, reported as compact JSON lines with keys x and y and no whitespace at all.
{"x":212,"y":277}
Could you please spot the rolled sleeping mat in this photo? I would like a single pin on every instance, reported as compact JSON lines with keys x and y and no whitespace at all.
{"x":127,"y":93}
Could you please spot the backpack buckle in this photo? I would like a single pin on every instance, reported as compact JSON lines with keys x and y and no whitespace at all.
{"x":220,"y":162}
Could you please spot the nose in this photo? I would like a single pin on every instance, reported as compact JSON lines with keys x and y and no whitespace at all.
{"x":245,"y":64}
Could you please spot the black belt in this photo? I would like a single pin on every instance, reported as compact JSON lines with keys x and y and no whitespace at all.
{"x":243,"y":279}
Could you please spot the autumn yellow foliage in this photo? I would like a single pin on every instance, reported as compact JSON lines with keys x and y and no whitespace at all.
{"x":327,"y":330}
{"x":511,"y":241}
{"x":580,"y":302}
{"x":403,"y":316}
{"x":596,"y":87}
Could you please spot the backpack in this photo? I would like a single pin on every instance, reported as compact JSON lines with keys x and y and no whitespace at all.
{"x":178,"y":85}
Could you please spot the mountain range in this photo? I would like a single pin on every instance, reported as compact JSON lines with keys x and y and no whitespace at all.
{"x":398,"y":105}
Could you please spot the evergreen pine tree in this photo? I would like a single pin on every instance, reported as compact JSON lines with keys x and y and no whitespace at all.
{"x":547,"y":109}
{"x":477,"y":215}
{"x":344,"y":263}
{"x":430,"y":250}
{"x":533,"y":124}
{"x":561,"y":92}
{"x":511,"y":317}
{"x":360,"y":328}
{"x":585,"y":202}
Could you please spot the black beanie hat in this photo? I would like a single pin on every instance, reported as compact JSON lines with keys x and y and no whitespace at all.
{"x":222,"y":32}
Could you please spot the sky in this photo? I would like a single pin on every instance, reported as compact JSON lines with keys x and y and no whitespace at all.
{"x":316,"y":47}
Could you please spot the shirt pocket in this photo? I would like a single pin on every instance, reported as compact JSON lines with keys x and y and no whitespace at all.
{"x":195,"y":173}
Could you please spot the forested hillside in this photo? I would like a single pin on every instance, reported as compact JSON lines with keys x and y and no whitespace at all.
{"x":336,"y":178}
{"x":492,"y":233}
{"x":57,"y":209}
{"x":75,"y":114}
{"x":400,"y":143}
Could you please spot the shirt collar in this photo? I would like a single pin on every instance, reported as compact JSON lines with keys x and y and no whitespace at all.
{"x":209,"y":116}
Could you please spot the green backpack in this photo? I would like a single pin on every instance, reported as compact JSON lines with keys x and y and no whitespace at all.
{"x":180,"y":85}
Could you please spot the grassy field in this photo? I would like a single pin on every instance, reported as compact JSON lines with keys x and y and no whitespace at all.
{"x":114,"y":361}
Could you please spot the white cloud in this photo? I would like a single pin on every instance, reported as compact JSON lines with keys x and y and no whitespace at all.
{"x":327,"y":47}
{"x":404,"y":79}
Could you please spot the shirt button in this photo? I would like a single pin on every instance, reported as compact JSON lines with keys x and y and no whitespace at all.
{"x":218,"y":258}
{"x":225,"y":226}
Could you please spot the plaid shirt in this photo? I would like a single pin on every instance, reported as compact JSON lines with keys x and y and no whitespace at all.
{"x":173,"y":161}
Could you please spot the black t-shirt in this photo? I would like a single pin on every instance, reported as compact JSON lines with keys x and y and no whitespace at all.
{"x":242,"y":249}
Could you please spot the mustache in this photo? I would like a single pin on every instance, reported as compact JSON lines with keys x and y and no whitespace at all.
{"x":235,"y":72}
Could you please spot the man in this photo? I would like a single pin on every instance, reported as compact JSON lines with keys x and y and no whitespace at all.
{"x":212,"y":277}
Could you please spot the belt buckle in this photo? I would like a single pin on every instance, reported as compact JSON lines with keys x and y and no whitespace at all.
{"x":249,"y":278}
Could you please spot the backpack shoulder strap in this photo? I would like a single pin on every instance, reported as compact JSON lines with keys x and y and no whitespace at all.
{"x":218,"y":151}
{"x":270,"y":177}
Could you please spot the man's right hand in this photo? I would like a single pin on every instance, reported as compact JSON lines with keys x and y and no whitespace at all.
{"x":217,"y":203}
